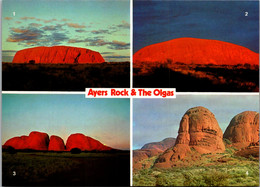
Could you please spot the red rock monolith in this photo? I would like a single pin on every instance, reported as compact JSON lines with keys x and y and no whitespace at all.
{"x":85,"y":143}
{"x":35,"y":141}
{"x":199,"y":133}
{"x":56,"y":144}
{"x":196,"y":51}
{"x":57,"y":54}
{"x":243,"y":129}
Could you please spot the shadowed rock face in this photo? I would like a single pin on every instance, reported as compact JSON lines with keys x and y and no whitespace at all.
{"x":57,"y":54}
{"x":150,"y":150}
{"x":243,"y":129}
{"x":197,"y":51}
{"x":198,"y":131}
{"x":160,"y":146}
{"x":84,"y":143}
{"x":56,"y":144}
{"x":35,"y":140}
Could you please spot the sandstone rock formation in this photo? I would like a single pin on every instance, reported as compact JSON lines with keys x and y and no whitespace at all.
{"x":243,"y":129}
{"x":150,"y":150}
{"x":197,"y":51}
{"x":85,"y":143}
{"x":161,"y":146}
{"x":57,"y":54}
{"x":251,"y":150}
{"x":35,"y":141}
{"x":56,"y":144}
{"x":198,"y":133}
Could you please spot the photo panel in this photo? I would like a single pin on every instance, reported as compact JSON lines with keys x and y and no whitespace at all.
{"x":196,"y":140}
{"x":65,"y":45}
{"x":196,"y":46}
{"x":65,"y":140}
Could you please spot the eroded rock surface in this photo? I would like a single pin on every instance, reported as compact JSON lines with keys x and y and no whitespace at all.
{"x":57,"y":54}
{"x":243,"y":129}
{"x":199,"y":133}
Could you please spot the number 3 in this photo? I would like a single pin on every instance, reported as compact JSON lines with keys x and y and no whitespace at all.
{"x":14,"y":173}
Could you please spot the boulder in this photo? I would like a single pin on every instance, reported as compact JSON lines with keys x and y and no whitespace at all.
{"x":57,"y":54}
{"x":35,"y":141}
{"x":243,"y":129}
{"x":56,"y":144}
{"x":199,"y":133}
{"x":85,"y":143}
{"x":196,"y":51}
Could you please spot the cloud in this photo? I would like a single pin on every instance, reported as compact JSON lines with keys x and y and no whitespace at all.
{"x":118,"y":56}
{"x":117,"y":45}
{"x":49,"y":21}
{"x":104,"y":53}
{"x":99,"y":41}
{"x":35,"y":24}
{"x":124,"y":25}
{"x":65,"y":20}
{"x":101,"y":31}
{"x":28,"y":35}
{"x":35,"y":36}
{"x":75,"y":25}
{"x":8,"y":18}
{"x":80,"y":30}
{"x":26,"y":18}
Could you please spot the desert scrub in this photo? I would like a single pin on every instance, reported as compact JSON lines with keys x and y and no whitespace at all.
{"x":33,"y":167}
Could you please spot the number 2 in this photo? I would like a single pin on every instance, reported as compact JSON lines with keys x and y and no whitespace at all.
{"x":246,"y":13}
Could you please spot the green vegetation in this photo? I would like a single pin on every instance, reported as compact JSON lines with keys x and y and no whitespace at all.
{"x":223,"y":169}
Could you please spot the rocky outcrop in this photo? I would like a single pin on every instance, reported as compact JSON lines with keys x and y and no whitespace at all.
{"x":196,"y":51}
{"x":57,"y":54}
{"x":150,"y":150}
{"x":199,"y":133}
{"x":243,"y":129}
{"x":251,"y":150}
{"x":161,"y":146}
{"x":85,"y":143}
{"x":35,"y":141}
{"x":56,"y":144}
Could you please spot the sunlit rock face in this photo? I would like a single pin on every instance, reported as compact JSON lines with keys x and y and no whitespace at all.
{"x":57,"y":54}
{"x":199,"y":131}
{"x":243,"y":129}
{"x":56,"y":144}
{"x":196,"y":51}
{"x":85,"y":143}
{"x":35,"y":141}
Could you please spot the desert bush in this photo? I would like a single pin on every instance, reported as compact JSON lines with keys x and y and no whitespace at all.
{"x":75,"y":151}
{"x":216,"y":179}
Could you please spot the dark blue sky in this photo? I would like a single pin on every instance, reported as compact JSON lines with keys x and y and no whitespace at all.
{"x":158,"y":21}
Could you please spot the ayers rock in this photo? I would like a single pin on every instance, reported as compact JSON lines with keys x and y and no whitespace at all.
{"x":197,"y":51}
{"x":243,"y":129}
{"x":57,"y":54}
{"x":198,"y":132}
{"x":56,"y":144}
{"x":85,"y":143}
{"x":35,"y":141}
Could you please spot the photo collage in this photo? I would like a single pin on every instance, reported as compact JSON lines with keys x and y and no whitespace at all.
{"x":194,"y":64}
